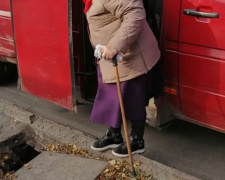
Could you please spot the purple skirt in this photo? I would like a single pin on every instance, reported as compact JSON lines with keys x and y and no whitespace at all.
{"x":106,"y":109}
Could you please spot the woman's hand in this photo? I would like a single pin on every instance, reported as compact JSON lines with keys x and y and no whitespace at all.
{"x":108,"y":52}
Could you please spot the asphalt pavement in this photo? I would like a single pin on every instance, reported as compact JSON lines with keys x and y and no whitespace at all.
{"x":190,"y":148}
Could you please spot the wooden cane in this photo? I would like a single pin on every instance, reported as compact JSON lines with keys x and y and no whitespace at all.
{"x":133,"y":173}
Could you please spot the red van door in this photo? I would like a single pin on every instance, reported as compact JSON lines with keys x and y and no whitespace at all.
{"x":43,"y":39}
{"x":202,"y":62}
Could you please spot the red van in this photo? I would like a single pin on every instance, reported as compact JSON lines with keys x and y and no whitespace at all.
{"x":193,"y":55}
{"x":49,"y":43}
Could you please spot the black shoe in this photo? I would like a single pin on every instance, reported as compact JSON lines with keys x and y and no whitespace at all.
{"x":137,"y":147}
{"x":110,"y":140}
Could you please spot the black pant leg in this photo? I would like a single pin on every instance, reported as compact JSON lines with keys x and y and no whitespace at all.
{"x":138,"y":128}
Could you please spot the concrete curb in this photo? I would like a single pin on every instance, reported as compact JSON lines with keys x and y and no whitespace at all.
{"x":47,"y":131}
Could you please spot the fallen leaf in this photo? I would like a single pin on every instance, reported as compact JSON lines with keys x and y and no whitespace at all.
{"x":26,"y":165}
{"x":5,"y":157}
{"x":112,"y":162}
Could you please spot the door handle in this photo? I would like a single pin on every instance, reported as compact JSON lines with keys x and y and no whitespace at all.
{"x":192,"y":12}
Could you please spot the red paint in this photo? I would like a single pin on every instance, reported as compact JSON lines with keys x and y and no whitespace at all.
{"x":5,"y":5}
{"x":170,"y":20}
{"x":200,"y":70}
{"x":42,"y":42}
{"x":169,"y":49}
{"x":199,"y":61}
{"x":204,"y":105}
{"x":202,"y":51}
{"x":202,"y":64}
{"x":6,"y":35}
{"x":207,"y":34}
{"x":170,"y":64}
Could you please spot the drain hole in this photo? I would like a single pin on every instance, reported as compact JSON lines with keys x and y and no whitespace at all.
{"x":13,"y":159}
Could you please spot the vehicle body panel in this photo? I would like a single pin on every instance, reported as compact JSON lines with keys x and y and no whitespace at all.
{"x":6,"y":34}
{"x":202,"y":63}
{"x":43,"y":43}
{"x":169,"y":49}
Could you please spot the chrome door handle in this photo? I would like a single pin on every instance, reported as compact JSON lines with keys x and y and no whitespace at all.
{"x":192,"y":12}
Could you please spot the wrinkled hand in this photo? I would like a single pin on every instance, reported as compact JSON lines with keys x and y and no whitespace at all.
{"x":108,"y":52}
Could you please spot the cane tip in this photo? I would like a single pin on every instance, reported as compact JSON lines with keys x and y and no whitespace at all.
{"x":133,"y":174}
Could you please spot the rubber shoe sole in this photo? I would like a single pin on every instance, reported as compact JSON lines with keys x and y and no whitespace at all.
{"x":139,"y":151}
{"x":111,"y":146}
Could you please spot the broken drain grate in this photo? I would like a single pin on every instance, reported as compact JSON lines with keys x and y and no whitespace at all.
{"x":13,"y":158}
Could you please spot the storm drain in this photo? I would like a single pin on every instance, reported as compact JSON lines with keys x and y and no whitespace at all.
{"x":14,"y":154}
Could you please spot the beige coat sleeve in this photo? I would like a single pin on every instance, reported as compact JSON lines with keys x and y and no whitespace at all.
{"x":132,"y":16}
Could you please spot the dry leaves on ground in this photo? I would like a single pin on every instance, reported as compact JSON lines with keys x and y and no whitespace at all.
{"x":120,"y":170}
{"x":68,"y":149}
{"x":8,"y":175}
{"x":116,"y":170}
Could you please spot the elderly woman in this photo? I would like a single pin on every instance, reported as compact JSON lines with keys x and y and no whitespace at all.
{"x":121,"y":27}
